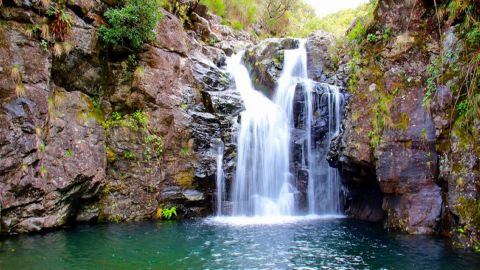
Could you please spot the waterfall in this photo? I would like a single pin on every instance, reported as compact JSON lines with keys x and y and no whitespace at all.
{"x":264,"y":185}
{"x":220,"y":198}
{"x":323,"y":180}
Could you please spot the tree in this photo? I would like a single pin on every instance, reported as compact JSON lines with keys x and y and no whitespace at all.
{"x":133,"y":24}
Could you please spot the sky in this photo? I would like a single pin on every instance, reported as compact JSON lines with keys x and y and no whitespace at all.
{"x":325,"y":7}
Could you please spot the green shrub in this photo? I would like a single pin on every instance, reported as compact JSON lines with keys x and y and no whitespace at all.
{"x":357,"y":33}
{"x":237,"y":25}
{"x":168,"y":213}
{"x":216,"y":6}
{"x":133,"y":24}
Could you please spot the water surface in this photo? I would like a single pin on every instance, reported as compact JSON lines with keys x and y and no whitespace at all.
{"x":209,"y":244}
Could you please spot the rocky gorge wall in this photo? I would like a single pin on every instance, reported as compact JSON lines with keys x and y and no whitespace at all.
{"x":97,"y":134}
{"x":402,"y":153}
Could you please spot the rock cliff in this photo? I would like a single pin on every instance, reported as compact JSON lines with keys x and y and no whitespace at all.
{"x":402,"y":142}
{"x":90,"y":133}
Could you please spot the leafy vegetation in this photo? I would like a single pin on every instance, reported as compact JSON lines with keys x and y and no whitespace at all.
{"x":216,"y":6}
{"x":16,"y":76}
{"x":434,"y":73}
{"x":372,"y":38}
{"x":132,"y":24}
{"x":167,"y":213}
{"x":137,"y":121}
{"x":282,"y":17}
{"x":306,"y":21}
{"x":61,"y":23}
{"x":54,"y":30}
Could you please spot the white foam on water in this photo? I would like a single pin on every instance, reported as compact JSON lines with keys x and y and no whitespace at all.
{"x":267,"y":220}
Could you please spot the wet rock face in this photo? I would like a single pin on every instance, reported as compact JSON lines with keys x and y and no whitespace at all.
{"x":299,"y":136}
{"x":265,"y":62}
{"x":218,"y":123}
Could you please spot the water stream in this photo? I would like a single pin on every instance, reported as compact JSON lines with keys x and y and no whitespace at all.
{"x":264,"y":185}
{"x":220,"y":179}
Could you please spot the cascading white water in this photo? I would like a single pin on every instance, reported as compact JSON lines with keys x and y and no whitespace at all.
{"x":220,"y":178}
{"x":323,"y":180}
{"x":263,"y":184}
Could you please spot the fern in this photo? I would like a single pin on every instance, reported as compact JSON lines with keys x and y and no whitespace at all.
{"x":168,"y":213}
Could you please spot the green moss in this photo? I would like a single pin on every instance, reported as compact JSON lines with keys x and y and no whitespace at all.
{"x":185,"y":178}
{"x":279,"y":57}
{"x":68,"y":153}
{"x":41,"y":147}
{"x":216,"y":6}
{"x":404,"y":121}
{"x":111,"y":155}
{"x":94,"y":111}
{"x":469,"y":211}
{"x":185,"y":151}
{"x":237,"y":25}
{"x":127,"y":154}
{"x":375,"y":138}
{"x":381,"y":111}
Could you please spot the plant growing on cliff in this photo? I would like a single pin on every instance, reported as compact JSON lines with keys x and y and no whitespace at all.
{"x":68,"y":153}
{"x":16,"y":76}
{"x":168,"y":213}
{"x":156,"y":142}
{"x":136,"y":122}
{"x":469,"y":211}
{"x":60,"y":26}
{"x":357,"y":33}
{"x":127,"y":154}
{"x":372,"y":38}
{"x":131,"y":25}
{"x":434,"y":73}
{"x":140,"y":118}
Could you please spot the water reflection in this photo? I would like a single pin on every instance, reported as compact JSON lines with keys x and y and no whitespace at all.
{"x":308,"y":244}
